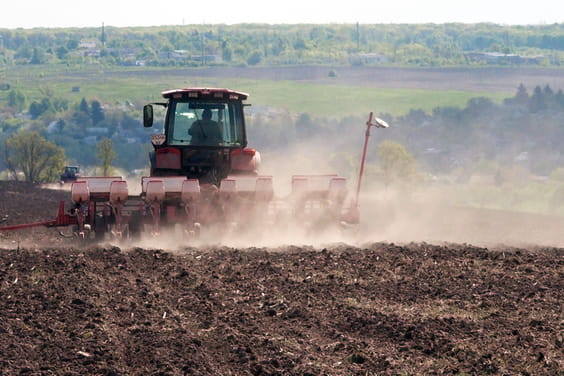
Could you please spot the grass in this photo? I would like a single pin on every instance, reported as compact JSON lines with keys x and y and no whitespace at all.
{"x":139,"y":85}
{"x":538,"y":198}
{"x":335,"y":100}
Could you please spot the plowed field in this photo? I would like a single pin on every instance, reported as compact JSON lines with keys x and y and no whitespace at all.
{"x":370,"y":309}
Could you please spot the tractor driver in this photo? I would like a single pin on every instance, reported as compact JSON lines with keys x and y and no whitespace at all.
{"x":205,"y":131}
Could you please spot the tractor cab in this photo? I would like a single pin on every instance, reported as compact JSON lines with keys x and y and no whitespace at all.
{"x":204,"y":135}
{"x":70,"y":174}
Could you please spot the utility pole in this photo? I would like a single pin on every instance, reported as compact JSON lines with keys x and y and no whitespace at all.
{"x":103,"y":37}
{"x":203,"y":45}
{"x":357,"y":37}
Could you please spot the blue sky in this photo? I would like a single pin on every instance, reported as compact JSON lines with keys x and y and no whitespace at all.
{"x":76,"y":13}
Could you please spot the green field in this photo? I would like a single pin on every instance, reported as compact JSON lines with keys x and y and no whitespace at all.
{"x":140,"y":85}
{"x":333,"y":100}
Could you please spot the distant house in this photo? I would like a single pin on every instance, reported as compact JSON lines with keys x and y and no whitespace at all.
{"x":90,"y":140}
{"x":207,"y":58}
{"x":174,"y":55}
{"x":88,"y":48}
{"x":87,"y":44}
{"x":91,"y":52}
{"x":369,"y":58}
{"x":501,"y":58}
{"x":126,"y":53}
{"x":97,"y":130}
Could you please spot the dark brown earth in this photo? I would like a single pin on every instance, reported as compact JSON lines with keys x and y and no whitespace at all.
{"x":375,"y":309}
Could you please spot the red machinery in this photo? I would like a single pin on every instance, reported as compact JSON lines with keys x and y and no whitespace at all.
{"x":203,"y":174}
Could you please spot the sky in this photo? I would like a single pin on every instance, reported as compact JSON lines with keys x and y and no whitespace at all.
{"x":76,"y":13}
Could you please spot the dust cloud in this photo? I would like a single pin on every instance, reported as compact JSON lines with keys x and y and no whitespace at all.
{"x":386,"y":216}
{"x":424,"y":213}
{"x":57,"y":186}
{"x":431,"y":214}
{"x":419,"y":213}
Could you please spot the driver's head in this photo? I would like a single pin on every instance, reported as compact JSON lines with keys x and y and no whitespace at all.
{"x":206,"y":115}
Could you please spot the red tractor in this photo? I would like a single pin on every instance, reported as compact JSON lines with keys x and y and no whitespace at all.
{"x":70,"y":174}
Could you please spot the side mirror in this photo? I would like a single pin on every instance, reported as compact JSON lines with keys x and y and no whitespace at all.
{"x":148,"y":116}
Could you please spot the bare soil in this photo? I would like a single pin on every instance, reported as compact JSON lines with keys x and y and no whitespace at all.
{"x":371,"y":309}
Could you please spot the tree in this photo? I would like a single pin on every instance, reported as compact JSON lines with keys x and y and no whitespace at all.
{"x":559,"y":98}
{"x":254,"y":58}
{"x":96,"y":112}
{"x":106,"y":154}
{"x":547,"y":91}
{"x":37,"y":158}
{"x":37,"y":109}
{"x":17,"y":100}
{"x":84,"y":107}
{"x":397,"y":163}
{"x":61,"y":52}
{"x":38,"y":56}
{"x":538,"y":100}
{"x":305,"y":126}
{"x":72,"y":44}
{"x":521,"y":97}
{"x":226,"y":52}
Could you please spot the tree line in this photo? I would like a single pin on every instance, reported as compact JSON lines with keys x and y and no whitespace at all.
{"x":252,"y":44}
{"x":524,"y":130}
